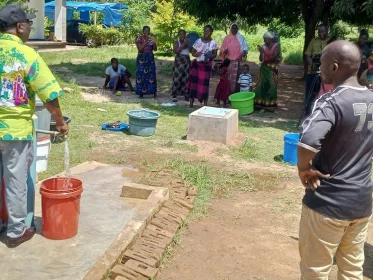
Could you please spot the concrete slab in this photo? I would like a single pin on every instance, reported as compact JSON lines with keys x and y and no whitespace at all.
{"x":109,"y":223}
{"x":213,"y":124}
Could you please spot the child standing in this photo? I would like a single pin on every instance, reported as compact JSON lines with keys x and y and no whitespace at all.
{"x":223,"y":89}
{"x":245,"y":81}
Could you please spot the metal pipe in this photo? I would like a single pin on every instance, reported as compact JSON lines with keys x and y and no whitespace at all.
{"x":54,"y":133}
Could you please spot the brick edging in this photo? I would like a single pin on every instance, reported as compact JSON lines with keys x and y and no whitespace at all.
{"x":141,"y":260}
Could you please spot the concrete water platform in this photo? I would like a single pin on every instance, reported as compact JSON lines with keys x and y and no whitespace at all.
{"x":213,"y":124}
{"x":109,"y":223}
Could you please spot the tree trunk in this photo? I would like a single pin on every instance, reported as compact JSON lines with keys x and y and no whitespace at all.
{"x":312,"y":13}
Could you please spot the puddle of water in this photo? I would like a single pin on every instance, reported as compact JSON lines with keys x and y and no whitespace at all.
{"x":134,"y":192}
{"x":131,"y":172}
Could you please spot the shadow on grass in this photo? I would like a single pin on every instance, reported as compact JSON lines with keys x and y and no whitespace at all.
{"x":279,"y":158}
{"x":288,"y":125}
{"x":179,"y":111}
{"x":88,"y":69}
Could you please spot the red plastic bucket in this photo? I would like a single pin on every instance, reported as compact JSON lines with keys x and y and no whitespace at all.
{"x":4,"y":211}
{"x":60,"y":208}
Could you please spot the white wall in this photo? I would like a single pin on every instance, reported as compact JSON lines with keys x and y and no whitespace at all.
{"x":60,"y":20}
{"x":37,"y":31}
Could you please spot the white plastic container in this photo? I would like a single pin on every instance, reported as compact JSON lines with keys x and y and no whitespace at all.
{"x":43,"y":149}
{"x":44,"y":117}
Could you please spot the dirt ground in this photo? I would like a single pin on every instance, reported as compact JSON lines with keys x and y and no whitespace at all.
{"x":252,"y":236}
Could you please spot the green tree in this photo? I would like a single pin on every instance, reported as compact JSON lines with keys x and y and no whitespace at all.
{"x":312,"y":12}
{"x":286,"y":31}
{"x":168,"y":21}
{"x":19,"y":2}
{"x":225,"y":24}
{"x":138,"y":15}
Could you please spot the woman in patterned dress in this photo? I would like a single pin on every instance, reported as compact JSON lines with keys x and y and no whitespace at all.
{"x":266,"y":87}
{"x":180,"y":73}
{"x":204,"y":50}
{"x":146,"y":80}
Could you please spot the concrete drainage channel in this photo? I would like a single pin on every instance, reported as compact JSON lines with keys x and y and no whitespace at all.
{"x":142,"y":258}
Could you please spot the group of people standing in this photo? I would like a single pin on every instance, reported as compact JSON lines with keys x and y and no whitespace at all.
{"x":191,"y":78}
{"x":314,"y":85}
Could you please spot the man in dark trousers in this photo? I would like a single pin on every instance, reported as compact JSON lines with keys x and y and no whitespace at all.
{"x":334,"y":163}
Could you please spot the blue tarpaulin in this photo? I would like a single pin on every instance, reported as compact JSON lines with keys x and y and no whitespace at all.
{"x":113,"y":12}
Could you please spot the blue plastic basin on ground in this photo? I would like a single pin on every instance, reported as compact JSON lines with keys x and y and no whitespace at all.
{"x":142,"y":122}
{"x":122,"y":127}
{"x":290,"y":148}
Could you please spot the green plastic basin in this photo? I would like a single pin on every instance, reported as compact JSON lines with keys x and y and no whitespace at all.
{"x":243,"y":102}
{"x":142,"y":122}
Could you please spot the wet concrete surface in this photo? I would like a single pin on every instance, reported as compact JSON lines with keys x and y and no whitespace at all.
{"x":104,"y":216}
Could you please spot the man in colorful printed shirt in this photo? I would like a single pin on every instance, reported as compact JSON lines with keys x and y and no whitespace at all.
{"x":24,"y":75}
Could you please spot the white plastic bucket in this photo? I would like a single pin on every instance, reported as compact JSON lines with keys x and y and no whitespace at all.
{"x":44,"y":117}
{"x":43,"y":148}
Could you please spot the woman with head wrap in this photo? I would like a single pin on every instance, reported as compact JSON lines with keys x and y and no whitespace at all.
{"x":234,"y":48}
{"x":270,"y":57}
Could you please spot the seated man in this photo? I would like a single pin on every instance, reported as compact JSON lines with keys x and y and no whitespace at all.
{"x":117,"y":76}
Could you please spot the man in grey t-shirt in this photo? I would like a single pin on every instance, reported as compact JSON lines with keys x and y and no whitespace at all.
{"x":334,"y":164}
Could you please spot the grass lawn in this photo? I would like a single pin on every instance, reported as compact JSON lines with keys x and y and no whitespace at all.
{"x":166,"y":149}
{"x":93,"y":62}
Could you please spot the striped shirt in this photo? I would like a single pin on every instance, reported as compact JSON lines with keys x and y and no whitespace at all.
{"x":246,"y":82}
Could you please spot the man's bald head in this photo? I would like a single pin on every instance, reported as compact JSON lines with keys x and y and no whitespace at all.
{"x":345,"y":53}
{"x":340,"y":60}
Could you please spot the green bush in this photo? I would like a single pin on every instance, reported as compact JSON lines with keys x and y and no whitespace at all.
{"x":97,"y":35}
{"x":138,"y":15}
{"x":286,"y":31}
{"x":291,"y":48}
{"x":168,"y":22}
{"x":47,"y":25}
{"x":219,"y":36}
{"x":294,"y":58}
{"x":340,"y":30}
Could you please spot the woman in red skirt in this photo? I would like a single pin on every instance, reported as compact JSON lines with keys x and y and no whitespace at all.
{"x":223,"y":89}
{"x":204,"y":50}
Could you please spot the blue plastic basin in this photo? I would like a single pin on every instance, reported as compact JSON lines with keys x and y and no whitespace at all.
{"x":142,"y":122}
{"x":290,"y":148}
